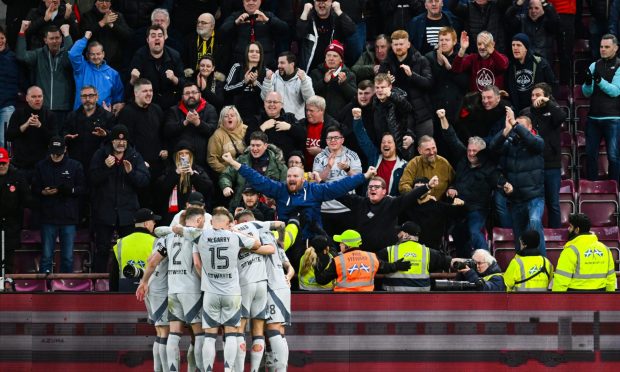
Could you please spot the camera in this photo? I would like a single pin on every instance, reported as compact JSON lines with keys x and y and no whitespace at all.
{"x":460,"y":265}
{"x":133,"y":271}
{"x":456,"y":285}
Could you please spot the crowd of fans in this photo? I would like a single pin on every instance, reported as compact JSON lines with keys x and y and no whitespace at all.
{"x":129,"y":105}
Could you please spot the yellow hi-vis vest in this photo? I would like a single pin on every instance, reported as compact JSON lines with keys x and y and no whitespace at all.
{"x":528,"y":274}
{"x":290,"y":234}
{"x":585,"y":264}
{"x":307,"y":281}
{"x":135,"y":248}
{"x":417,"y":278}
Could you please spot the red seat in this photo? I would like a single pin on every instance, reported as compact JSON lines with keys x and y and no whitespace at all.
{"x":30,"y":285}
{"x":567,"y":149}
{"x":504,"y":256}
{"x":567,"y":201}
{"x":71,"y":285}
{"x":599,"y":200}
{"x":503,"y":238}
{"x":26,"y":261}
{"x":553,"y":254}
{"x":555,"y":238}
{"x":81,"y":261}
{"x":102,"y":285}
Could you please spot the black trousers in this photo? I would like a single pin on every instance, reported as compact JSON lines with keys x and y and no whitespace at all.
{"x":103,"y":243}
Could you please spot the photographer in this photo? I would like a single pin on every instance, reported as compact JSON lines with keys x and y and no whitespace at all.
{"x":487,"y":274}
{"x":132,"y":251}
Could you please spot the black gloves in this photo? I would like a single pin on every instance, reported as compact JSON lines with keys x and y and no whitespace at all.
{"x":588,"y":80}
{"x":64,"y":189}
{"x":596,"y":76}
{"x":402,"y":265}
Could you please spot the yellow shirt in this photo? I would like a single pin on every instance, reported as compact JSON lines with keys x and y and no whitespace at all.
{"x":418,"y":168}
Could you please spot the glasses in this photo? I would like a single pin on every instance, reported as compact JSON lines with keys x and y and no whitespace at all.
{"x":335,"y":138}
{"x":272,"y":102}
{"x":294,"y":162}
{"x":92,"y":95}
{"x":374,"y":187}
{"x":478,"y":263}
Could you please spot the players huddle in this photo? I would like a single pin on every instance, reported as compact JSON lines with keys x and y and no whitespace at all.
{"x":218,"y":276}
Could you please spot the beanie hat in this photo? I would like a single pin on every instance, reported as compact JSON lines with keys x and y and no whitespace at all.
{"x":523,"y":38}
{"x":119,"y":132}
{"x":337,"y":47}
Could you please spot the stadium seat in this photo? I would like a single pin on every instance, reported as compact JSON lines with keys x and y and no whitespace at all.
{"x":553,"y":254}
{"x":102,"y":285}
{"x":26,"y":261}
{"x":555,"y":238}
{"x":567,"y":149}
{"x":30,"y":238}
{"x":567,"y":200}
{"x":71,"y":285}
{"x":504,"y":256}
{"x":503,"y":238}
{"x":81,"y":261}
{"x":599,"y":200}
{"x":30,"y":285}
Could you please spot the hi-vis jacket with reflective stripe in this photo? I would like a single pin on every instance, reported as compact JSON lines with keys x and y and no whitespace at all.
{"x":585,"y":264}
{"x":417,"y":278}
{"x":528,"y":273}
{"x":356,"y":271}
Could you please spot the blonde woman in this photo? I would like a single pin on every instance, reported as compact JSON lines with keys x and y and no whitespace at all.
{"x":228,"y":137}
{"x":307,"y":280}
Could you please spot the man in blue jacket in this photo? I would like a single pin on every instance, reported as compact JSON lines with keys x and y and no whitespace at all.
{"x":97,"y":73}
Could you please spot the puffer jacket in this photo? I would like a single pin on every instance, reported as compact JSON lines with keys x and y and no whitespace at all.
{"x":522,"y":162}
{"x":474,"y":185}
{"x":276,"y":170}
{"x":541,"y":32}
{"x":394,"y":116}
{"x":417,"y":86}
{"x":115,"y":192}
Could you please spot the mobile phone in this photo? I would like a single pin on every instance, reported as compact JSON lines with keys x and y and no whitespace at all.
{"x":184,"y":162}
{"x":254,"y":69}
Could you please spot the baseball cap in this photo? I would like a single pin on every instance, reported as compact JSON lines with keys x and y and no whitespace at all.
{"x":4,"y":155}
{"x":196,"y":198}
{"x":410,"y":228}
{"x":350,"y":238}
{"x":145,"y":214}
{"x":249,"y":190}
{"x":57,"y":145}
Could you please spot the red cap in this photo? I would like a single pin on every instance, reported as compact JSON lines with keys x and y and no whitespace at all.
{"x":337,"y":47}
{"x":4,"y":155}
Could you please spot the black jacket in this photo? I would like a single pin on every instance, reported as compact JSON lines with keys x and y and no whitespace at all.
{"x":115,"y":192}
{"x":67,"y":176}
{"x":541,"y":32}
{"x":196,"y":136}
{"x":521,"y":79}
{"x":114,"y":39}
{"x":86,"y":143}
{"x":417,"y":86}
{"x":480,"y":122}
{"x":377,"y":223}
{"x":449,"y":87}
{"x":39,"y":25}
{"x":345,"y":118}
{"x":165,"y":93}
{"x":336,"y":95}
{"x":394,"y":116}
{"x":473,"y":184}
{"x":489,"y":17}
{"x":146,"y":133}
{"x":288,"y":141}
{"x":522,"y":162}
{"x":266,"y":33}
{"x":137,"y":12}
{"x":30,"y":147}
{"x":14,"y":197}
{"x":547,"y":120}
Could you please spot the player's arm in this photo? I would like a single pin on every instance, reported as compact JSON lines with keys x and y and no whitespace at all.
{"x":290,"y":272}
{"x":276,"y":225}
{"x":265,"y":249}
{"x":197,"y":263}
{"x":151,"y":264}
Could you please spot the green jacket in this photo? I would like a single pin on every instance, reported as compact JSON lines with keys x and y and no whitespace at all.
{"x":54,"y":75}
{"x":276,"y":170}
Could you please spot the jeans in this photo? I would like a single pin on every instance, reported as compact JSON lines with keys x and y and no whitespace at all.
{"x":610,"y":130}
{"x":467,"y":233}
{"x":66,"y":234}
{"x":502,"y":211}
{"x":5,"y":115}
{"x":355,"y":44}
{"x":553,"y":177}
{"x":527,"y":215}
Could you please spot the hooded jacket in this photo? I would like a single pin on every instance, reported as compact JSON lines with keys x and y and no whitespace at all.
{"x":223,"y":141}
{"x":521,"y":79}
{"x":294,"y":92}
{"x":394,"y":116}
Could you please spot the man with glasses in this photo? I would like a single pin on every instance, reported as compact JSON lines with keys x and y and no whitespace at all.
{"x":109,"y":28}
{"x":58,"y":183}
{"x":316,"y":123}
{"x":96,"y":72}
{"x":193,"y":120}
{"x":201,"y":43}
{"x":487,"y":275}
{"x":279,"y":125}
{"x":334,"y":163}
{"x":117,"y":171}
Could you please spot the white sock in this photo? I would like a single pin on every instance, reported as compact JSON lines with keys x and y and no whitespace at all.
{"x":230,"y":351}
{"x":162,"y":354}
{"x":199,"y":363}
{"x":278,"y":348}
{"x":208,"y":351}
{"x":173,"y":355}
{"x":285,"y":352}
{"x":256,"y":355}
{"x":156,"y":358}
{"x":191,"y":360}
{"x":241,"y":351}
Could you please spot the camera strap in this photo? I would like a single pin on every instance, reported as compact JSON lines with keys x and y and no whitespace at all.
{"x":542,"y":270}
